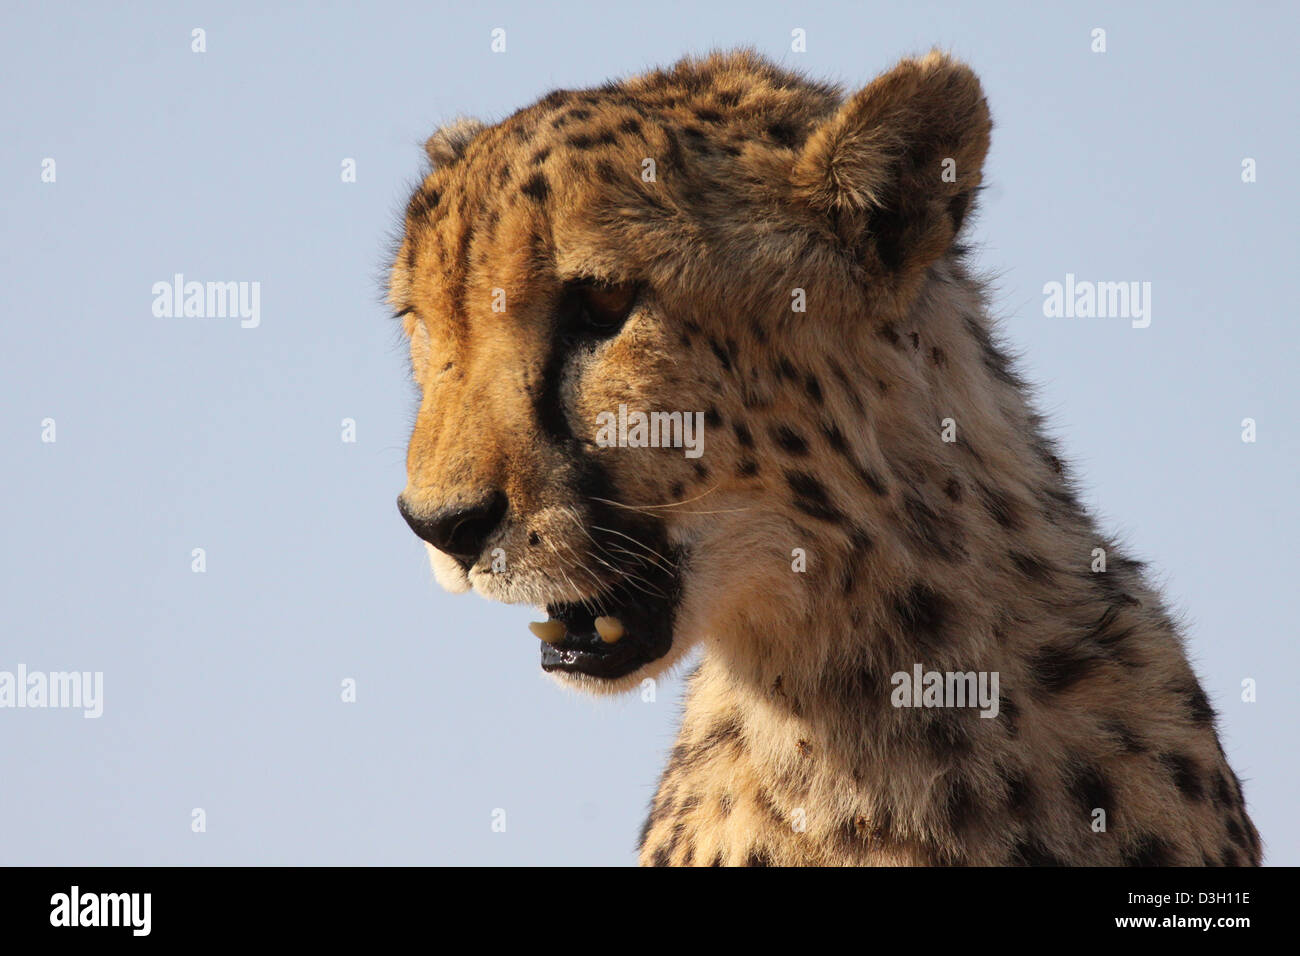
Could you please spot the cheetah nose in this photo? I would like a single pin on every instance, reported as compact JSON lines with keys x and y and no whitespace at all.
{"x":458,"y":530}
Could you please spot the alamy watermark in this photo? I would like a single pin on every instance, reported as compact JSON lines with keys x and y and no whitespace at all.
{"x":1074,"y":299}
{"x":208,"y":300}
{"x":922,"y":688}
{"x":683,"y":430}
{"x":132,"y":911}
{"x":82,"y":690}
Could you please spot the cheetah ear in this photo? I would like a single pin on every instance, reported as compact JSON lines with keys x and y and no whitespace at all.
{"x":448,"y":144}
{"x":896,"y":168}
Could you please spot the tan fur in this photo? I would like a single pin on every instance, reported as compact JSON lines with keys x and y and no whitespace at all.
{"x":965,"y":556}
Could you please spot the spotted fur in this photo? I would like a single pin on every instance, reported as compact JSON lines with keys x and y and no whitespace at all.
{"x":823,"y":435}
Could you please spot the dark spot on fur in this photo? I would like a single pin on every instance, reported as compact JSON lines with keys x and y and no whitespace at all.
{"x":1091,"y":789}
{"x":607,"y":171}
{"x":835,"y":438}
{"x":587,"y":140}
{"x":784,"y":133}
{"x":422,"y":204}
{"x":957,"y":207}
{"x":810,"y":496}
{"x":747,"y":468}
{"x":860,"y":543}
{"x":743,"y":434}
{"x":999,"y":508}
{"x":922,"y":615}
{"x":938,"y":357}
{"x":712,"y":418}
{"x":758,"y":857}
{"x":630,"y":125}
{"x":813,"y":387}
{"x":1020,"y":793}
{"x":674,"y":837}
{"x":537,"y":187}
{"x":1055,"y":669}
{"x":849,"y":386}
{"x":790,"y":441}
{"x":1222,"y":792}
{"x":1031,"y":566}
{"x":930,"y":533}
{"x":870,"y":479}
{"x":1186,"y":775}
{"x":725,"y":732}
{"x":1128,"y":739}
{"x":721,"y":354}
{"x":952,"y":488}
{"x":1030,"y":852}
{"x":1199,"y":704}
{"x":1106,"y":633}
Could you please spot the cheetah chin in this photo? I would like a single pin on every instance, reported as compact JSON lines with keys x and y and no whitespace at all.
{"x":608,"y":639}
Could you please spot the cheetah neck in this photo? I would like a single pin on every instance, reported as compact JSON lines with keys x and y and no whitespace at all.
{"x":969,"y":557}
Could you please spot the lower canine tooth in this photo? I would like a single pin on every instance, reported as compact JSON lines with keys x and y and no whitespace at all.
{"x":610,"y":629}
{"x":552,"y":631}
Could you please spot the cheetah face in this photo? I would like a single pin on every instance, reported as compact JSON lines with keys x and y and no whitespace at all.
{"x":628,"y":255}
{"x":532,"y":506}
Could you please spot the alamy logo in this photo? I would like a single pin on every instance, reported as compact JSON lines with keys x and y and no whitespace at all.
{"x":923,"y":688}
{"x":63,"y":689}
{"x":683,"y":430}
{"x":75,"y":908}
{"x":208,"y":300}
{"x":1098,"y":300}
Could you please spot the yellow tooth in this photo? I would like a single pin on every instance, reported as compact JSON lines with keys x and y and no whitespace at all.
{"x":610,"y":629}
{"x":552,"y":631}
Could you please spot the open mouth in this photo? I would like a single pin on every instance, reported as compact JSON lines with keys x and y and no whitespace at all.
{"x":609,"y":639}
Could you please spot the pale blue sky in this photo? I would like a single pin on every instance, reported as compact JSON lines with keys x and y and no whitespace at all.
{"x":222,"y":689}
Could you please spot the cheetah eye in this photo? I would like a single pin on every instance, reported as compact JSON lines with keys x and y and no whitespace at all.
{"x":597,"y":308}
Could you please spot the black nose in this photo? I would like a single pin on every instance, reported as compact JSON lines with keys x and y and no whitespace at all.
{"x":459,"y":531}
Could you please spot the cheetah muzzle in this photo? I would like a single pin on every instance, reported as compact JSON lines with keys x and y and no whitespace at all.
{"x":611,"y":636}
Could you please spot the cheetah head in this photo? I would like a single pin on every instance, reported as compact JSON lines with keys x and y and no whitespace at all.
{"x":719,"y":243}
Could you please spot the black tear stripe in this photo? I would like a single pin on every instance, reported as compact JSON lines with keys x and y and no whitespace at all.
{"x":592,"y":481}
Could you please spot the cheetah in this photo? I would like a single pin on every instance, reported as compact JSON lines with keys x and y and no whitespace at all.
{"x":874,"y":496}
